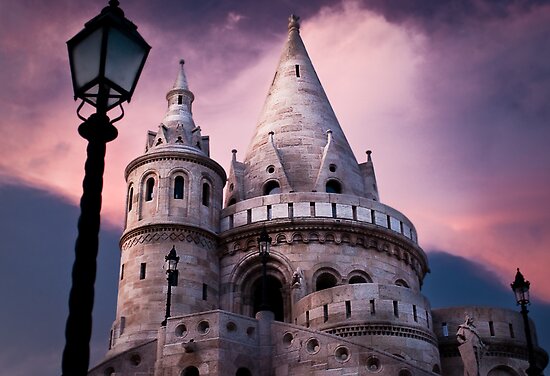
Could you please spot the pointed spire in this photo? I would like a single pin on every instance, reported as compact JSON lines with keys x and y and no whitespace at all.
{"x":371,"y":187}
{"x":293,"y":23}
{"x":298,"y":111}
{"x":181,"y":79}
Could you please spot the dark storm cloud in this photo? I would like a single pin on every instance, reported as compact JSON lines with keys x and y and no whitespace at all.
{"x":36,"y":259}
{"x":455,"y":281}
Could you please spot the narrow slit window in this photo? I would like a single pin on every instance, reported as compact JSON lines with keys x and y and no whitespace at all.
{"x":130,"y":198}
{"x":415,"y":315}
{"x":333,"y":210}
{"x":388,"y":221}
{"x":307,"y":319}
{"x":142,"y":270}
{"x":372,"y":217}
{"x":354,"y":212}
{"x":122,"y":272}
{"x":511,"y":328}
{"x":491,"y":329}
{"x":180,"y":99}
{"x":204,"y":291}
{"x":178,"y":188}
{"x":205,"y":194}
{"x":297,"y":69}
{"x":325,"y":312}
{"x":427,"y":319}
{"x":249,"y":216}
{"x":231,"y":221}
{"x":395,"y":308}
{"x":372,"y":307}
{"x":445,"y":329}
{"x":348,"y":309}
{"x":312,"y":209}
{"x":269,"y":212}
{"x":149,"y":189}
{"x":291,"y":210}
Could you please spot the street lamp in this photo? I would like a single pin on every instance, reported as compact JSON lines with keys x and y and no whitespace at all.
{"x":521,"y":290}
{"x":264,"y":242}
{"x":171,"y":265}
{"x":106,"y":59}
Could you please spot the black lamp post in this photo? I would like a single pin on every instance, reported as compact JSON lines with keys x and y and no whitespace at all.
{"x":521,"y":290}
{"x":264,"y":242}
{"x":106,"y":59}
{"x":171,"y":265}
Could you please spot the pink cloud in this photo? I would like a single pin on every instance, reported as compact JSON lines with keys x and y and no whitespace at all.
{"x":423,"y":102}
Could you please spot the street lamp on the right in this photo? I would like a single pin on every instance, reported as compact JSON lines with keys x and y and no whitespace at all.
{"x":521,"y":290}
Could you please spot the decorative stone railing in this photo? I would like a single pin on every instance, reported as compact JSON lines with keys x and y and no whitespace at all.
{"x":316,"y":205}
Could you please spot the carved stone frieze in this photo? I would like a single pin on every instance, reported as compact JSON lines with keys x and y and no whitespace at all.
{"x":154,"y":234}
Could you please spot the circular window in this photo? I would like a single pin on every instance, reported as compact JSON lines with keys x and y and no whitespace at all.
{"x":181,"y":330}
{"x":135,"y":360}
{"x":332,"y":168}
{"x":342,"y":354}
{"x":373,"y":364}
{"x":203,"y":327}
{"x":270,"y":169}
{"x":231,"y":326}
{"x":312,"y":346}
{"x":287,"y":339}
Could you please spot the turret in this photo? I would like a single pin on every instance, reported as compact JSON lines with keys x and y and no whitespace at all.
{"x":174,"y":199}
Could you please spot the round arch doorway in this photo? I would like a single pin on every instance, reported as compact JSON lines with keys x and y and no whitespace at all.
{"x":274,"y":294}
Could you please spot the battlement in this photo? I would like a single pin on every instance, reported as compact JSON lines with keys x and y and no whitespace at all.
{"x":317,"y":205}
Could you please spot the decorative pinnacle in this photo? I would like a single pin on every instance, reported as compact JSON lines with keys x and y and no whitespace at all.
{"x":293,"y":23}
{"x":182,"y":62}
{"x":369,"y":159}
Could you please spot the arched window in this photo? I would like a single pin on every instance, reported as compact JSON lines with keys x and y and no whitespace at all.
{"x":272,"y":187}
{"x":130,"y":198}
{"x":205,"y":194}
{"x":325,"y":281}
{"x":149,"y":189}
{"x":178,"y":188}
{"x":333,"y":186}
{"x":243,"y":372}
{"x":357,"y":279}
{"x":190,"y":371}
{"x":402,"y":283}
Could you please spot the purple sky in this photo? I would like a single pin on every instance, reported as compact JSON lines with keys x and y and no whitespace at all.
{"x":451,"y":96}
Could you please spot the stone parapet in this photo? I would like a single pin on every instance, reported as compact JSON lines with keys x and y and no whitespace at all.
{"x":316,"y":205}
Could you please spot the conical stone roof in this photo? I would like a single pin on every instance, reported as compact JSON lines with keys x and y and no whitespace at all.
{"x":291,"y":141}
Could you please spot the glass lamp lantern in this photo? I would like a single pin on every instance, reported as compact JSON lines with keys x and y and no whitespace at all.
{"x":106,"y":59}
{"x":264,"y":242}
{"x":521,"y":289}
{"x":172,"y":260}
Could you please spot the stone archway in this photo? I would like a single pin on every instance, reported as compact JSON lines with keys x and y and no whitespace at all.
{"x":502,"y":371}
{"x":246,"y":282}
{"x":274,"y":295}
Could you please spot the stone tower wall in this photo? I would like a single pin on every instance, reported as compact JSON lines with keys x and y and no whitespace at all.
{"x":157,"y":221}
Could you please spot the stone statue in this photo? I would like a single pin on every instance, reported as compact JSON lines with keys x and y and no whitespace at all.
{"x":471,"y":347}
{"x":297,"y":284}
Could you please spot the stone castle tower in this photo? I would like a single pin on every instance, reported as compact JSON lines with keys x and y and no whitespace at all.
{"x":344,"y":274}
